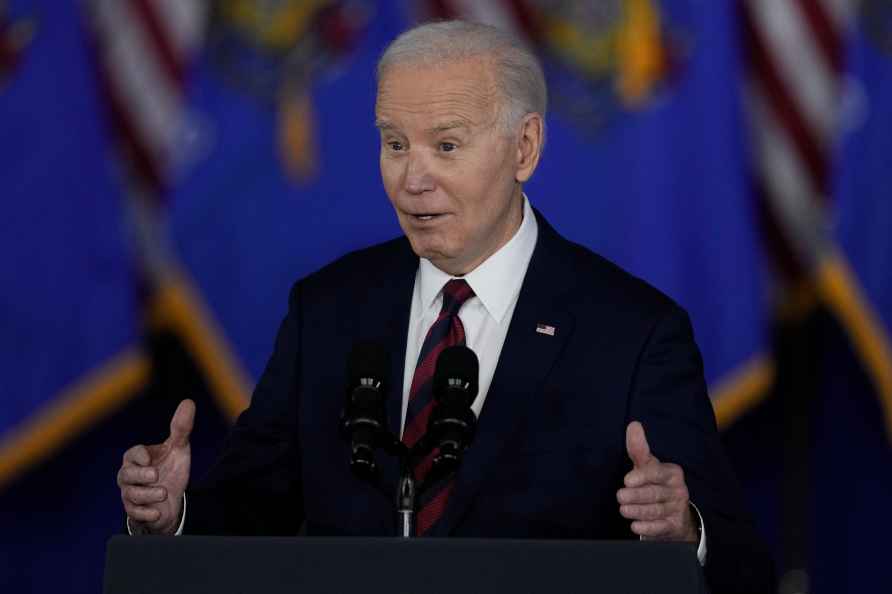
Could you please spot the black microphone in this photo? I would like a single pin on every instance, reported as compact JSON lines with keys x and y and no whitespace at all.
{"x":452,"y":423}
{"x":364,"y":421}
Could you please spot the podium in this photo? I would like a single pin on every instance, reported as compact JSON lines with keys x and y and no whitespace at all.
{"x":230,"y":565}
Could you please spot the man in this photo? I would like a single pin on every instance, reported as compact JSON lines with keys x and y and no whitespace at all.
{"x":594,"y":420}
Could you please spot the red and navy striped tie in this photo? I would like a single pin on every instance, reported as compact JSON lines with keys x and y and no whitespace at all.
{"x":446,"y":331}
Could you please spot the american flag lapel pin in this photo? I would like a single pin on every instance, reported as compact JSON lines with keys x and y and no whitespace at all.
{"x":545,"y":329}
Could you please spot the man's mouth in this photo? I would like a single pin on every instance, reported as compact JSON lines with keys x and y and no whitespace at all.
{"x":427,"y":216}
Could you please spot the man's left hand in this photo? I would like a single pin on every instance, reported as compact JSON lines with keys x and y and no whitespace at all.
{"x":655,"y":496}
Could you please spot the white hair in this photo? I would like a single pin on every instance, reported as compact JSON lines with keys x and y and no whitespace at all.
{"x":517,"y":71}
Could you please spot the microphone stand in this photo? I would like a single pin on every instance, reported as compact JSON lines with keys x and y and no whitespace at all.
{"x":405,"y":500}
{"x":408,"y":489}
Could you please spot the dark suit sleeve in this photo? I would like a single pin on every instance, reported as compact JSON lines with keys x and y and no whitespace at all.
{"x":669,"y":397}
{"x":253,"y":488}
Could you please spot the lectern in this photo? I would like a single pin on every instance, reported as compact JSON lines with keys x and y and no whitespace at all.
{"x":230,"y":565}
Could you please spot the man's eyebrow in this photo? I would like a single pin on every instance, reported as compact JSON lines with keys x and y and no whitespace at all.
{"x":452,"y":125}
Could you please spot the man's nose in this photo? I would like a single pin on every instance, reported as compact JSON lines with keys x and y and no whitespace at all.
{"x":418,"y":176}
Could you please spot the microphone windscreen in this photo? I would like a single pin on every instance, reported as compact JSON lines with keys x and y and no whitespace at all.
{"x":458,"y":362}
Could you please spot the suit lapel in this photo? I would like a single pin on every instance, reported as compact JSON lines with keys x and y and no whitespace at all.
{"x":526,"y":359}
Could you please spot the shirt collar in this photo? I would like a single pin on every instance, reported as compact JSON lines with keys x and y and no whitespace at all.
{"x":496,"y":281}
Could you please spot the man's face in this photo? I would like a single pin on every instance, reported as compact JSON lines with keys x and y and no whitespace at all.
{"x":448,"y":166}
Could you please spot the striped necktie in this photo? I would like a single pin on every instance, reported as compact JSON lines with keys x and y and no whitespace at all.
{"x":447,"y":330}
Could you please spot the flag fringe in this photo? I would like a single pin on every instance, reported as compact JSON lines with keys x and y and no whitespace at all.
{"x":106,"y":388}
{"x":75,"y":409}
{"x":841,"y":292}
{"x":742,"y":390}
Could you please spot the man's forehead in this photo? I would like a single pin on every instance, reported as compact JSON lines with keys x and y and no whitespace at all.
{"x":480,"y":68}
{"x":449,"y":94}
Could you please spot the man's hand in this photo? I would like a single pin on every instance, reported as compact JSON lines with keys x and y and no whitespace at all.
{"x":153,"y":478}
{"x":655,"y":496}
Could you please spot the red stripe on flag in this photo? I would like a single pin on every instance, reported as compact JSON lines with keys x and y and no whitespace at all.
{"x":164,"y":49}
{"x":137,"y":155}
{"x":442,"y":9}
{"x":825,"y":33}
{"x":779,"y":99}
{"x":526,"y":17}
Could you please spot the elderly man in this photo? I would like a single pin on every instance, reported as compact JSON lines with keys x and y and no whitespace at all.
{"x":594,"y":420}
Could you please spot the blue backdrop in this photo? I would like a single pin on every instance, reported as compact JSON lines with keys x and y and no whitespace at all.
{"x":654,"y":179}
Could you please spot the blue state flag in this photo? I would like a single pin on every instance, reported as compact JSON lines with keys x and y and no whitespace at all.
{"x":853,"y":426}
{"x":68,"y":316}
{"x":857,"y":276}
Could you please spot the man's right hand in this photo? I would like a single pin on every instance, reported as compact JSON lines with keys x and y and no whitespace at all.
{"x":153,"y":478}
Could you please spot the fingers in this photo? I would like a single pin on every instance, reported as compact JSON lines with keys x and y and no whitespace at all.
{"x":652,"y":502}
{"x":140,"y":503}
{"x":652,"y":511}
{"x":650,"y":494}
{"x":637,"y":446}
{"x":138,"y":455}
{"x":137,"y":475}
{"x":181,"y":423}
{"x":135,"y":469}
{"x":678,"y":526}
{"x":144,"y":495}
{"x":145,"y":515}
{"x":655,"y":473}
{"x":653,"y":528}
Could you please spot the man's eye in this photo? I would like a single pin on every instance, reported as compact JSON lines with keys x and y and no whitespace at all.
{"x":395,"y":145}
{"x":447,"y":147}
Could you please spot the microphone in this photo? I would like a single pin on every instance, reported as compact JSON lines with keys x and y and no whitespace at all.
{"x":452,"y":423}
{"x":363,"y":422}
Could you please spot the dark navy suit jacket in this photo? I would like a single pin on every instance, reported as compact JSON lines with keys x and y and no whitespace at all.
{"x":549,"y":454}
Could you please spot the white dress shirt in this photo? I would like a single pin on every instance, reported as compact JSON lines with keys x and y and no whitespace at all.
{"x":485,"y":316}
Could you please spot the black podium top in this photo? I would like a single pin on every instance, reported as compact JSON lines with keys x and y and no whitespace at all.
{"x":194,"y":564}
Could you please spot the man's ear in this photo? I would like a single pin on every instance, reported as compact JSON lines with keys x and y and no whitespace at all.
{"x":529,"y":146}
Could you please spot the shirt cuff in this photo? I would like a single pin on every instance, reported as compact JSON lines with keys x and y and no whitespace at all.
{"x":179,"y":531}
{"x":701,"y":548}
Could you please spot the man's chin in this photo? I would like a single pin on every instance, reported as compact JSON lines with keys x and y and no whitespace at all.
{"x":445,"y":261}
{"x":435,"y":251}
{"x":425,"y":250}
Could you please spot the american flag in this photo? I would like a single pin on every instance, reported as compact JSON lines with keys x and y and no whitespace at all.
{"x":795,"y":59}
{"x":796,"y":95}
{"x":545,"y":329}
{"x":143,"y":49}
{"x":142,"y":52}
